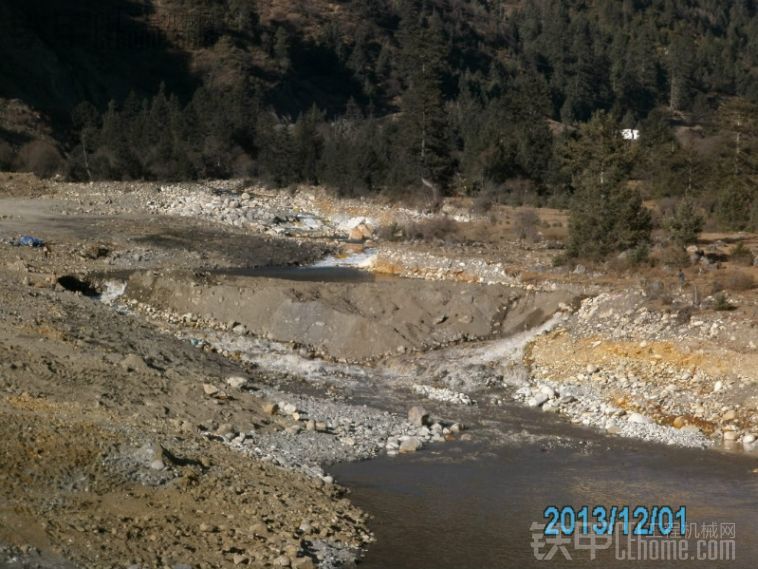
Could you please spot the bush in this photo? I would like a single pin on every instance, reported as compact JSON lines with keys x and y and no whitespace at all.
{"x":6,"y":155}
{"x":425,"y":230}
{"x":685,"y":224}
{"x":734,"y":281}
{"x":675,"y":256}
{"x":40,"y":157}
{"x":526,"y":224}
{"x":722,"y":302}
{"x":742,"y":255}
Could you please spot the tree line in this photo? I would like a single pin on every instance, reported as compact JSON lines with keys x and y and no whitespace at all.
{"x":438,"y":108}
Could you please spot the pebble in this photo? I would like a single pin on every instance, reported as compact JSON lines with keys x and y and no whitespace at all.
{"x":270,"y":408}
{"x":236,"y":382}
{"x":639,"y":419}
{"x":210,"y":390}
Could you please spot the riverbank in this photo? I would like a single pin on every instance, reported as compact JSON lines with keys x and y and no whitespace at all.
{"x":149,"y":383}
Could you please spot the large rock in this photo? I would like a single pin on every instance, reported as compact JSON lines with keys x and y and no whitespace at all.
{"x":360,"y":232}
{"x":410,"y":445}
{"x":418,"y":417}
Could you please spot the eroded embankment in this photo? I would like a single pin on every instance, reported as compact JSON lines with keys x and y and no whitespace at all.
{"x":352,"y":321}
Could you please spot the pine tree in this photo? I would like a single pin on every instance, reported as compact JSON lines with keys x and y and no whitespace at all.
{"x":308,"y":144}
{"x":606,"y":214}
{"x":424,"y":128}
{"x":685,"y":224}
{"x":680,"y":72}
{"x":736,"y":203}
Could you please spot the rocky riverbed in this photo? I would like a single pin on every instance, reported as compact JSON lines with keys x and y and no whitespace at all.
{"x":161,"y":407}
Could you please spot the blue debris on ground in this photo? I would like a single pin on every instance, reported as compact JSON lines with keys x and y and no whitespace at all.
{"x":29,"y":241}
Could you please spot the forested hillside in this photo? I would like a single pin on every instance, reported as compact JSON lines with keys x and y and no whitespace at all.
{"x":482,"y":97}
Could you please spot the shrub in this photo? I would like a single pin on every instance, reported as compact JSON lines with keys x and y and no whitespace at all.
{"x":483,"y":202}
{"x":526,"y":224}
{"x":40,"y":157}
{"x":735,"y":281}
{"x":6,"y":155}
{"x":430,"y":229}
{"x":721,"y":302}
{"x":675,"y":256}
{"x":742,"y":255}
{"x":684,"y":224}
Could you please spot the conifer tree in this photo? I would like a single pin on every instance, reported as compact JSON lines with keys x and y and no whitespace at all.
{"x":606,"y":214}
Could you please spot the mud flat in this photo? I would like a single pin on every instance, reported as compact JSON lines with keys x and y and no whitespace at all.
{"x":351,"y":321}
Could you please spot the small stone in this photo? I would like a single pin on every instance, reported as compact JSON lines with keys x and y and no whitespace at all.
{"x":135,"y":363}
{"x":730,"y":435}
{"x":282,"y":561}
{"x":236,"y":382}
{"x":288,"y":408}
{"x":748,"y":439}
{"x":303,"y":563}
{"x":679,"y":422}
{"x":410,"y":445}
{"x":549,"y":391}
{"x":210,"y":390}
{"x":639,"y":419}
{"x":225,"y":429}
{"x":591,"y":368}
{"x":310,"y":425}
{"x":729,"y":415}
{"x":270,"y":408}
{"x":539,"y":400}
{"x":239,"y":559}
{"x":418,"y":416}
{"x":321,"y":427}
{"x":158,"y":464}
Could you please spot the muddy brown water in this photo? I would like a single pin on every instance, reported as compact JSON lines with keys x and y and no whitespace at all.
{"x":310,"y":274}
{"x":470,"y":505}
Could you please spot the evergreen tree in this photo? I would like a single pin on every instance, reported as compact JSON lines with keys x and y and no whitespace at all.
{"x":424,"y":128}
{"x":606,"y":214}
{"x":739,"y":189}
{"x":685,"y":224}
{"x":308,"y":144}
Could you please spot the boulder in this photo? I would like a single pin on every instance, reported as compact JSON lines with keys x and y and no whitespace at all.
{"x":418,"y":417}
{"x":410,"y":445}
{"x":360,"y":232}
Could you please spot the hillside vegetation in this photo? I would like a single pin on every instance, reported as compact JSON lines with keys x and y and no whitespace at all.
{"x":509,"y":100}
